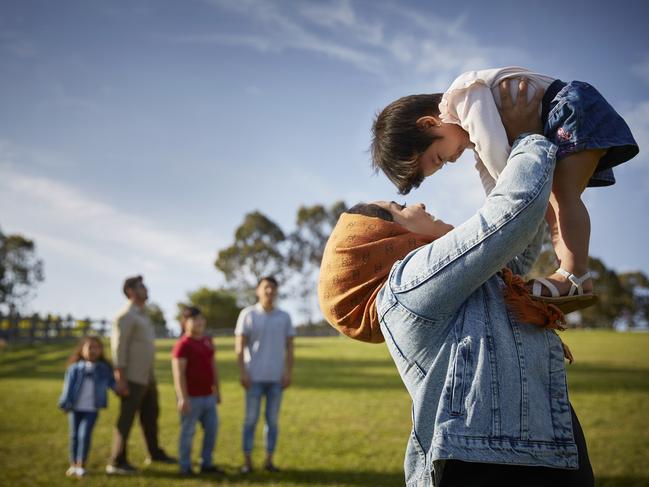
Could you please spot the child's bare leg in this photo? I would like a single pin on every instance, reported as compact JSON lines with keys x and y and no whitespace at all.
{"x":572,"y":220}
{"x":551,"y":219}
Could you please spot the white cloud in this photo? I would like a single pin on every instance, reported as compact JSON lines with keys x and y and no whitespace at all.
{"x":429,"y":45}
{"x":75,"y":223}
{"x":341,"y":15}
{"x":273,"y":30}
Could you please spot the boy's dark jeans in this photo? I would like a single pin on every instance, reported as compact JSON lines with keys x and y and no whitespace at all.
{"x":142,"y":398}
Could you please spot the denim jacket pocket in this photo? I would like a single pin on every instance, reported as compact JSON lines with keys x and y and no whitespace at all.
{"x":461,"y":373}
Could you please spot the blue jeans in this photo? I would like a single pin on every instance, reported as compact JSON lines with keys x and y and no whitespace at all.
{"x":203,"y":409}
{"x":273,"y":393}
{"x":81,"y":425}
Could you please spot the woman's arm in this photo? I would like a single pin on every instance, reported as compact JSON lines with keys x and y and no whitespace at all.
{"x":523,"y":262}
{"x":436,"y":279}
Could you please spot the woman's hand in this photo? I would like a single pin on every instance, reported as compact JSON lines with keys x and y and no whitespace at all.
{"x":521,"y":116}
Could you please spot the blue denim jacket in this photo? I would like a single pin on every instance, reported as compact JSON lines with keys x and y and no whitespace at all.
{"x":484,"y":387}
{"x":103,"y":378}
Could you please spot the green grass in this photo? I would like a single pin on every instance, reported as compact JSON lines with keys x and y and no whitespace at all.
{"x":345,"y":421}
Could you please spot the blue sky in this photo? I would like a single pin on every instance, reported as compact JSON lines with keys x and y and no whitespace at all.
{"x":135,"y":135}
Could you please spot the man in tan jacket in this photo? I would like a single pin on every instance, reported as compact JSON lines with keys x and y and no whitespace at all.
{"x":133,"y":351}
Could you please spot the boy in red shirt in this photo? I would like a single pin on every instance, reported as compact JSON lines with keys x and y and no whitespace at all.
{"x":196,"y":381}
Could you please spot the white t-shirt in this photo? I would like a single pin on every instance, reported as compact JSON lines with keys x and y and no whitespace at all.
{"x":266,"y":335}
{"x":472,"y":102}
{"x":86,"y":400}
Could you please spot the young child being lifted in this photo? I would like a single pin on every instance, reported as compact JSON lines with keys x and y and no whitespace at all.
{"x":416,"y":135}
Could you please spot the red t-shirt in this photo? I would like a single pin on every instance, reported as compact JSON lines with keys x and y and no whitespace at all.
{"x":199,"y":353}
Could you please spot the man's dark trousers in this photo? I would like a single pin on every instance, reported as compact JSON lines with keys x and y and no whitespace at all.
{"x":142,"y":398}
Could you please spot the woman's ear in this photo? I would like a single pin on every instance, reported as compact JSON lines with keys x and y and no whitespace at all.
{"x":427,"y":122}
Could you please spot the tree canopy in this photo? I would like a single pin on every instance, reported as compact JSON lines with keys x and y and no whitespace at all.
{"x":20,"y":270}
{"x":219,"y":306}
{"x":257,"y":251}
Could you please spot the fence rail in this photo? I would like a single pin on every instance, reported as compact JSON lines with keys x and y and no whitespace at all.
{"x":34,"y":328}
{"x":16,"y":328}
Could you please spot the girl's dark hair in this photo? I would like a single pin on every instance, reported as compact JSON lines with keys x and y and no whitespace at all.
{"x":76,"y":355}
{"x":370,"y":209}
{"x":397,"y":143}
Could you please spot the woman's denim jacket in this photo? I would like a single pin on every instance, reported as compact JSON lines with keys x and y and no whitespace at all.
{"x":103,"y":378}
{"x":484,"y":387}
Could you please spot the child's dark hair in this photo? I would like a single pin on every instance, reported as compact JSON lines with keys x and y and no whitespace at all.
{"x":370,"y":209}
{"x":77,"y":355}
{"x":397,"y":143}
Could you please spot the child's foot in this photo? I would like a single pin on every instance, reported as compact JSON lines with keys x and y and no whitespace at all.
{"x":72,"y":471}
{"x":563,"y":285}
{"x":81,"y":472}
{"x":565,"y":290}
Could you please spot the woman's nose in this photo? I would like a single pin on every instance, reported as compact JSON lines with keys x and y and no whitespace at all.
{"x":422,"y":206}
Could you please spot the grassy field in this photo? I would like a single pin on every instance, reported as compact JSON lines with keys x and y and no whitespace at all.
{"x":344,"y":422}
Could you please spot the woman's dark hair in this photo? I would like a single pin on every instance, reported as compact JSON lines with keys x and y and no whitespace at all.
{"x":77,"y":355}
{"x":370,"y":209}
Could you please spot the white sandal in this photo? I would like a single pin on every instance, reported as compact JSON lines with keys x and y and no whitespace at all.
{"x":576,"y":298}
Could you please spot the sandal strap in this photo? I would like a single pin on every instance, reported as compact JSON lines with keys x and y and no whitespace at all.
{"x":537,"y":289}
{"x":577,"y":282}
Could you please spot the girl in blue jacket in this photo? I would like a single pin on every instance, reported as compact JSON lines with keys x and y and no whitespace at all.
{"x":87,"y":379}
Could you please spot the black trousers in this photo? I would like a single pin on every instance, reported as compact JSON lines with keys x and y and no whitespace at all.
{"x":142,"y":399}
{"x":467,"y":474}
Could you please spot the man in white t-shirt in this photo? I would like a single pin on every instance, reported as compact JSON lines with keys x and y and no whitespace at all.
{"x":264,"y":346}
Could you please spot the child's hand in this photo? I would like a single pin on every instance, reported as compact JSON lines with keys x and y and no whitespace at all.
{"x":520,"y":117}
{"x":184,"y":407}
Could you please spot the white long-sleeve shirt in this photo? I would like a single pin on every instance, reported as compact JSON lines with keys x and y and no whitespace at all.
{"x":472,"y":102}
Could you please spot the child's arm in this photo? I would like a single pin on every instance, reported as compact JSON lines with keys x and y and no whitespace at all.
{"x":65,"y":401}
{"x":478,"y":114}
{"x":111,"y":378}
{"x":179,"y":370}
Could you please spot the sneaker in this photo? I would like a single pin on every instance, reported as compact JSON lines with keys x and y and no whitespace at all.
{"x":160,"y":457}
{"x":213,"y":469}
{"x":186,"y":472}
{"x":121,"y":469}
{"x":81,"y":472}
{"x":269,"y":467}
{"x":246,"y":469}
{"x":71,"y":472}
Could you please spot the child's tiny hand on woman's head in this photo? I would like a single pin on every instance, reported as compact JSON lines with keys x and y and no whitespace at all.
{"x":520,"y":116}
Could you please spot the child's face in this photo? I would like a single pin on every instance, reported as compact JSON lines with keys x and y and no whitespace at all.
{"x":195,"y":325}
{"x":448,"y":148}
{"x":91,"y":351}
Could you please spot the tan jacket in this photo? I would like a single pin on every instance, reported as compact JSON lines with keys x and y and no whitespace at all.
{"x":132,"y":343}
